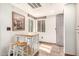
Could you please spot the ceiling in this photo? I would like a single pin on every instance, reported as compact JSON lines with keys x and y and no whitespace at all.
{"x":45,"y":9}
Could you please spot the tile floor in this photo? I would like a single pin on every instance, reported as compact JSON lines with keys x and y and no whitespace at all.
{"x":50,"y":50}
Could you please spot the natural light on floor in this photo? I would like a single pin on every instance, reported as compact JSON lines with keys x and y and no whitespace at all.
{"x":45,"y":48}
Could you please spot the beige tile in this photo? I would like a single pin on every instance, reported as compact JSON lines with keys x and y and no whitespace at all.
{"x":50,"y":50}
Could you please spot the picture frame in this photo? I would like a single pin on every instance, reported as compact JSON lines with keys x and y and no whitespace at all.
{"x":18,"y":22}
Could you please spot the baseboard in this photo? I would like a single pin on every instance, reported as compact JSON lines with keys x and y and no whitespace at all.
{"x":60,"y":45}
{"x":50,"y":43}
{"x":47,"y":42}
{"x":69,"y":54}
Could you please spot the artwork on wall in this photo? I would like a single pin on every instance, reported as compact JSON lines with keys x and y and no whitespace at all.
{"x":18,"y":22}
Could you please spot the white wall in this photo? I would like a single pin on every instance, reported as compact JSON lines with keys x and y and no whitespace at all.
{"x":6,"y":21}
{"x":50,"y":34}
{"x":69,"y":17}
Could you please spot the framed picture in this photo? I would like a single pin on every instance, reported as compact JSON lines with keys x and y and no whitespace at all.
{"x":18,"y":22}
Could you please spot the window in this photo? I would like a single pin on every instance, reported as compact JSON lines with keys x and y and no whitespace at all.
{"x":30,"y":25}
{"x":41,"y":26}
